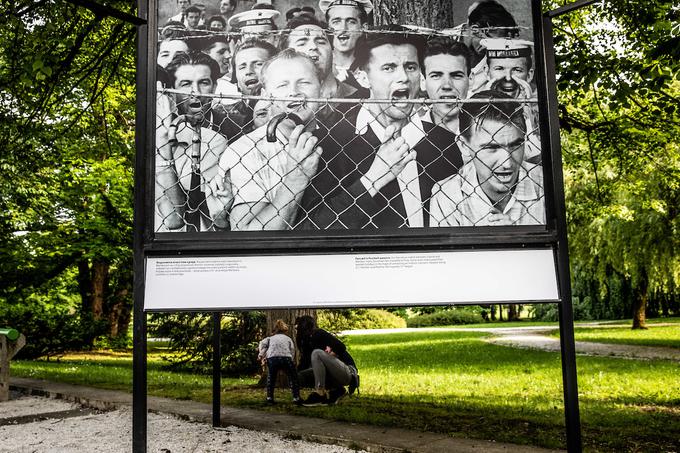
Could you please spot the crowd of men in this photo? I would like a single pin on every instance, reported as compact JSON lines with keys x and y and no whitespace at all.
{"x":332,"y":123}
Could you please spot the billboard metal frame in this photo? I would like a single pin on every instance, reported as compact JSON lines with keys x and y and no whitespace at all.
{"x":147,"y":243}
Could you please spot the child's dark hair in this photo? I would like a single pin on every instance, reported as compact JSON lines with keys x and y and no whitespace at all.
{"x":305,"y":325}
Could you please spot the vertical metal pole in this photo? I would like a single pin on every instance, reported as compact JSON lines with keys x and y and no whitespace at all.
{"x":567,"y":346}
{"x":217,"y":369}
{"x":139,"y":378}
{"x":139,"y":382}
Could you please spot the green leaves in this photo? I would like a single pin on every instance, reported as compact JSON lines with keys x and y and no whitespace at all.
{"x":619,"y":90}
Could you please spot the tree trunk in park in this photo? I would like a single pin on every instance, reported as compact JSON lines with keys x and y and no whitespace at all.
{"x":514,"y":312}
{"x":640,"y":305}
{"x":288,"y":316}
{"x":101,"y":300}
{"x":118,"y":313}
{"x":425,"y":13}
{"x":99,"y":281}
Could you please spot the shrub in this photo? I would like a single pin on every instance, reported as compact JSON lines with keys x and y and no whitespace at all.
{"x":361,"y":318}
{"x":50,"y":327}
{"x":446,"y":317}
{"x":190,"y":336}
{"x":550,"y":312}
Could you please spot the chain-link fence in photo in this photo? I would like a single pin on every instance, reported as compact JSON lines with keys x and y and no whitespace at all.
{"x":410,"y":137}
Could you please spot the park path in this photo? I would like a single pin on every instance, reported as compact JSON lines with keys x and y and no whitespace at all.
{"x":537,"y":337}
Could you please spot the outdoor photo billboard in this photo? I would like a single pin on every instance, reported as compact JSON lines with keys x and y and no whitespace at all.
{"x":319,"y":150}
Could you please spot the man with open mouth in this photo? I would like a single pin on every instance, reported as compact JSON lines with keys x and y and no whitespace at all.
{"x":510,"y":71}
{"x":390,"y":159}
{"x":486,"y":19}
{"x":307,"y":35}
{"x":188,"y":150}
{"x":270,"y":169}
{"x":498,"y":187}
{"x":347,"y":19}
{"x":510,"y":66}
{"x":249,"y":57}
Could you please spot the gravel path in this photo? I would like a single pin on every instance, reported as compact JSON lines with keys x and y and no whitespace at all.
{"x":110,"y":432}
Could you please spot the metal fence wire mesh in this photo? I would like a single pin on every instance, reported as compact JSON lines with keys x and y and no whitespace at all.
{"x":265,"y":147}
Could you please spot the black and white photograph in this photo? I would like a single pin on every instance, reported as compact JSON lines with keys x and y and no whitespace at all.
{"x":336,"y":115}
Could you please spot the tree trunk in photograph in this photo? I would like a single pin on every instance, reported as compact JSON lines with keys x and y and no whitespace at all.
{"x":288,"y":316}
{"x":425,"y":13}
{"x":640,"y":306}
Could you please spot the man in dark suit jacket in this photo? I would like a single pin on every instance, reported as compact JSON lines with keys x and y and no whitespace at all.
{"x":379,"y":162}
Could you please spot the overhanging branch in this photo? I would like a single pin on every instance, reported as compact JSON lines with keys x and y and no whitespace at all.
{"x":107,"y":11}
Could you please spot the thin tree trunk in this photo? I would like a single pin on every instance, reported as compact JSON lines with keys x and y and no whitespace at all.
{"x":640,"y":307}
{"x":513,"y":312}
{"x":116,"y":313}
{"x":100,"y":277}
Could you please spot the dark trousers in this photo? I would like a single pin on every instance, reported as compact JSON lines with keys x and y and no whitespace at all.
{"x":274,"y":364}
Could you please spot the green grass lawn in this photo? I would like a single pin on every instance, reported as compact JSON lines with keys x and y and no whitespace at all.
{"x":449,"y":382}
{"x":654,"y":335}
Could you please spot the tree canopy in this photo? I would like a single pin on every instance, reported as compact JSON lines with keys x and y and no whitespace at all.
{"x":619,"y":87}
{"x":67,"y":127}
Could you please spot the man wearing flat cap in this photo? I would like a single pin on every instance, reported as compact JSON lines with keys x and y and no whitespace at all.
{"x":347,"y":19}
{"x":256,"y":24}
{"x":389,"y":159}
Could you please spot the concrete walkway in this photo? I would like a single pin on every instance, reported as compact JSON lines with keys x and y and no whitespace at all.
{"x":369,"y":438}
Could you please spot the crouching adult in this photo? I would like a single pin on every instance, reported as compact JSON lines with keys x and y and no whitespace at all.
{"x":325,"y":364}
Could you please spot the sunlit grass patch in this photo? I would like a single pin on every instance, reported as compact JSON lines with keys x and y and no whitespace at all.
{"x":444,"y":381}
{"x":654,"y":335}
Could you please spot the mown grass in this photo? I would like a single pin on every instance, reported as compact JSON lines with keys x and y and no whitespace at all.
{"x":449,"y":382}
{"x":654,"y":335}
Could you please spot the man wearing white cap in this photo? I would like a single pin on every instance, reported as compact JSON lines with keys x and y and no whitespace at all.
{"x":347,"y":18}
{"x":486,"y":19}
{"x":256,"y":24}
{"x":510,"y":70}
{"x":509,"y":66}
